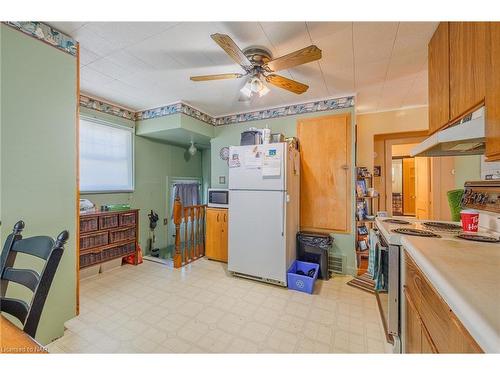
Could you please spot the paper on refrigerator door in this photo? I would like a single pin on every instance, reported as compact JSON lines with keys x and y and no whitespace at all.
{"x":271,"y":163}
{"x":253,"y":158}
{"x":234,"y":159}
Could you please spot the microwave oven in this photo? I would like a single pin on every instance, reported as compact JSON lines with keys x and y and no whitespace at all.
{"x":218,"y":198}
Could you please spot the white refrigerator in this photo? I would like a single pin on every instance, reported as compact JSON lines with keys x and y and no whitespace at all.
{"x":264,"y":184}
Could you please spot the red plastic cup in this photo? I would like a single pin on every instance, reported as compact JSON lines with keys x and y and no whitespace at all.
{"x":470,"y":220}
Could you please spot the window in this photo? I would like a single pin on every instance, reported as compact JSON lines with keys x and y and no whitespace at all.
{"x":106,"y":157}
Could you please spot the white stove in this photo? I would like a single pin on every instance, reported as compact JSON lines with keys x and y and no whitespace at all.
{"x":483,"y":196}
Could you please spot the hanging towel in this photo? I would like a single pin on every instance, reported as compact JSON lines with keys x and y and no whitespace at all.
{"x":373,"y":239}
{"x":381,"y":269}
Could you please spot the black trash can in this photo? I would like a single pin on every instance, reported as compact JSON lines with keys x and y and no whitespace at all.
{"x":313,"y":248}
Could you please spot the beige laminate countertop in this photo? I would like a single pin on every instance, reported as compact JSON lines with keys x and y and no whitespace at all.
{"x":467,"y":276}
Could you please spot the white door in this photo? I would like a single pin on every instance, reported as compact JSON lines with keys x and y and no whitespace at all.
{"x":257,"y":234}
{"x":245,"y":169}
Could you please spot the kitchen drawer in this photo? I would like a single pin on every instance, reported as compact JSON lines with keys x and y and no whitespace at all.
{"x":88,"y":224}
{"x":90,"y":258}
{"x":92,"y":240}
{"x":108,"y":221}
{"x":118,"y":251}
{"x":122,"y":234}
{"x":128,"y":218}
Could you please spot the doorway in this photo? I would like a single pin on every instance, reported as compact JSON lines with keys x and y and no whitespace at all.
{"x":403,"y":186}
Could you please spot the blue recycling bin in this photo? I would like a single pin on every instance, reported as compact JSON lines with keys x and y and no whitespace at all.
{"x":302,"y":283}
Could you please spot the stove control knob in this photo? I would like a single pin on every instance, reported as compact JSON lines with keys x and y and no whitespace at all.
{"x":484,"y":198}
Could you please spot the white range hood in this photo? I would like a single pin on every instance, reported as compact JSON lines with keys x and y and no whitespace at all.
{"x":465,"y":137}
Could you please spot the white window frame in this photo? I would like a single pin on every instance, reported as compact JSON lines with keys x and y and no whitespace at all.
{"x":117,"y":126}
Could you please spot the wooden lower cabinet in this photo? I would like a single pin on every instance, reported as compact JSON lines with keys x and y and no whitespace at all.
{"x":431,"y":326}
{"x":216,"y":234}
{"x":417,"y":340}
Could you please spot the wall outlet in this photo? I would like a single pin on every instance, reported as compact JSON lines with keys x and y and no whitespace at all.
{"x":165,"y":221}
{"x":222,"y":180}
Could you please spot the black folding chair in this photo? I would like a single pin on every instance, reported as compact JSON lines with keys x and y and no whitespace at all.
{"x":43,"y":247}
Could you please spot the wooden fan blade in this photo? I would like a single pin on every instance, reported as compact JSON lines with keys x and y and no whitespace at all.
{"x":302,"y":56}
{"x":287,"y":84}
{"x":216,"y":76}
{"x":228,"y":45}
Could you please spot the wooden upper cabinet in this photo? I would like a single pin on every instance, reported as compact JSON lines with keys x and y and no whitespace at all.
{"x":493,"y":92}
{"x":439,"y":78}
{"x":467,"y":66}
{"x":325,"y":179}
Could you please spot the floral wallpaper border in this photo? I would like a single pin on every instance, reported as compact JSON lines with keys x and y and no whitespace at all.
{"x":101,"y":106}
{"x":290,"y":110}
{"x":46,"y":33}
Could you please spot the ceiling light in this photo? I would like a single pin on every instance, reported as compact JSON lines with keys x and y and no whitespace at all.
{"x":192,"y":149}
{"x":254,"y":86}
{"x":247,"y":90}
{"x":264,"y":90}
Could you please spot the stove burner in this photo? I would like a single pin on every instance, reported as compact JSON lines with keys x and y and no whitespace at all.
{"x":478,"y":238}
{"x":396,"y":221}
{"x":446,"y":227}
{"x":415,"y":232}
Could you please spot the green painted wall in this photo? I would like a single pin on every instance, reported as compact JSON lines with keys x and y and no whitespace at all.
{"x":154,"y":162}
{"x":230,"y":135}
{"x":38,"y":161}
{"x":467,"y":168}
{"x":206,"y":169}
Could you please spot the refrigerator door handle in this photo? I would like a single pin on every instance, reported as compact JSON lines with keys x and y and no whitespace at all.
{"x":283,"y":215}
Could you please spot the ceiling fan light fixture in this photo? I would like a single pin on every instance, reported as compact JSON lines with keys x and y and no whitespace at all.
{"x":247,"y":89}
{"x":256,"y":84}
{"x":264,"y":91}
{"x":192,"y":149}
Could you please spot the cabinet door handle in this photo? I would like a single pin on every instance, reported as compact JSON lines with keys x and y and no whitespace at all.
{"x":217,"y":217}
{"x":225,"y":218}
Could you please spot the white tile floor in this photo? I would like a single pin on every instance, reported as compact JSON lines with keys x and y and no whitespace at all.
{"x":152,"y":308}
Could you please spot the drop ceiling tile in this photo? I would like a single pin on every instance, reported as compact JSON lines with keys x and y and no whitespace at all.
{"x":129,"y":62}
{"x":405,"y":65}
{"x":373,"y":41}
{"x":337,"y":49}
{"x":340,"y":81}
{"x":286,"y":37}
{"x":127,"y":33}
{"x":93,"y":42}
{"x":87,"y":56}
{"x":109,"y":68}
{"x":333,"y":30}
{"x":66,"y":27}
{"x":94,"y":77}
{"x":367,"y":74}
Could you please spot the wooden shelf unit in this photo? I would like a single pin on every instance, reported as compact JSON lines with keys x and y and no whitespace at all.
{"x":107,"y":235}
{"x":363,"y":254}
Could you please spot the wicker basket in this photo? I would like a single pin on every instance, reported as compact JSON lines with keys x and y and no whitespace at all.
{"x":93,"y":240}
{"x":108,"y":221}
{"x":119,"y":235}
